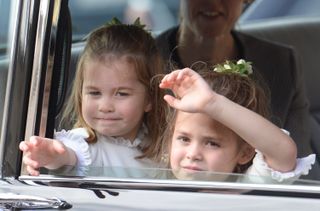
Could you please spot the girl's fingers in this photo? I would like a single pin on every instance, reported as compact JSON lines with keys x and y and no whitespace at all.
{"x":171,"y":100}
{"x":186,"y":72}
{"x":171,"y":76}
{"x":177,"y":76}
{"x":165,"y":85}
{"x":165,"y":78}
{"x":30,"y":162}
{"x":23,"y":146}
{"x":32,"y":171}
{"x":182,"y":73}
{"x":34,"y":140}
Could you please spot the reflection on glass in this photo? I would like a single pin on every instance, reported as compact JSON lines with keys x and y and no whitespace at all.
{"x":116,"y":172}
{"x":6,"y":26}
{"x":127,"y":11}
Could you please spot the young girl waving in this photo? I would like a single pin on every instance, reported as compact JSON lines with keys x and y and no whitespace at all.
{"x":118,"y":112}
{"x":220,"y":126}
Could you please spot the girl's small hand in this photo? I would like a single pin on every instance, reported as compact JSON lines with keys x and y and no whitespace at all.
{"x":192,"y":93}
{"x":40,"y":152}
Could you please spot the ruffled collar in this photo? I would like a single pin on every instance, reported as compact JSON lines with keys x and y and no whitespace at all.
{"x":139,"y":141}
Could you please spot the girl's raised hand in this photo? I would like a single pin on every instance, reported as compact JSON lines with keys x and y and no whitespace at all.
{"x":192,"y":93}
{"x":41,"y":152}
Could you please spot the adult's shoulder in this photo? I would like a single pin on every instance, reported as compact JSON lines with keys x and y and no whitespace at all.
{"x":250,"y":44}
{"x":267,"y":55}
{"x":261,"y":49}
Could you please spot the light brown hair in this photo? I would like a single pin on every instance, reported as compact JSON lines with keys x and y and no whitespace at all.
{"x":247,"y":91}
{"x":138,"y":47}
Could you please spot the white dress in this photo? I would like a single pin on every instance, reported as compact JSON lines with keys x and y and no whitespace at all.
{"x":260,"y":172}
{"x":109,"y":152}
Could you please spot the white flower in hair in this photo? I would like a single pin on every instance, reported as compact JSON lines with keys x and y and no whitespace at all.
{"x":241,"y":67}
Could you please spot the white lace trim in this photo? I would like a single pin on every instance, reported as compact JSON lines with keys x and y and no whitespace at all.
{"x":126,"y":142}
{"x":303,"y":167}
{"x":76,"y":140}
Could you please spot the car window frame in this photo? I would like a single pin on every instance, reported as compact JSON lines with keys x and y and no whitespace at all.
{"x":10,"y":141}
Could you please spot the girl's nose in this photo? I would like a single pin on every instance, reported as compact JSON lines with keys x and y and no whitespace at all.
{"x":106,"y":105}
{"x":194,"y":152}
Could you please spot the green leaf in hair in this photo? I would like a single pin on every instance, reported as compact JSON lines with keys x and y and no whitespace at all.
{"x":241,"y":67}
{"x":116,"y":21}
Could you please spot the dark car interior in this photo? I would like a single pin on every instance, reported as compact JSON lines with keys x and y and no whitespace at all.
{"x":303,"y":35}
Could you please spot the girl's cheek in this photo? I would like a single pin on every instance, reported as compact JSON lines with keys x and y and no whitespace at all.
{"x":173,"y":162}
{"x":176,"y":155}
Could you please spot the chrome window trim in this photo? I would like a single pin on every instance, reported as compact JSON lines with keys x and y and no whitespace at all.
{"x":37,"y":67}
{"x":36,"y":70}
{"x":154,"y":184}
{"x":20,"y":66}
{"x":50,"y":63}
{"x":35,"y":89}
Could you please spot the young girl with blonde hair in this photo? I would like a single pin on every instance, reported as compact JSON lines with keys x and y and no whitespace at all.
{"x":117,"y":110}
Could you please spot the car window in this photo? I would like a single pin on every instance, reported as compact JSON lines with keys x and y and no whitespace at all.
{"x":166,"y":174}
{"x":6,"y":11}
{"x":163,"y":174}
{"x":87,"y":15}
{"x":31,"y":53}
{"x":4,"y":23}
{"x":158,"y":16}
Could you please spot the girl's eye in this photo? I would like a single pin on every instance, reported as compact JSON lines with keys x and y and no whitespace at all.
{"x":212,"y":144}
{"x":183,"y":139}
{"x":121,"y":94}
{"x":94,"y":93}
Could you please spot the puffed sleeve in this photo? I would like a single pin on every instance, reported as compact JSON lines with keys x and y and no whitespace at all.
{"x":76,"y":140}
{"x":261,"y":168}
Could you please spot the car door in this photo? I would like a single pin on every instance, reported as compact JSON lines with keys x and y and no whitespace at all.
{"x":33,"y":68}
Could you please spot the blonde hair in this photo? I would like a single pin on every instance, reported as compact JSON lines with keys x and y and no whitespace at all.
{"x":139,"y":48}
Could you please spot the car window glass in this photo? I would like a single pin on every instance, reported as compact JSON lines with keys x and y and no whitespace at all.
{"x":6,"y":26}
{"x":4,"y":23}
{"x":166,"y":174}
{"x":158,"y":16}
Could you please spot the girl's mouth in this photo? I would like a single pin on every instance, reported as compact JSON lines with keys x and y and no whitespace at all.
{"x":192,"y":168}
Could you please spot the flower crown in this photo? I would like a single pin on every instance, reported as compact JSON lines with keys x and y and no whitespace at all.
{"x":115,"y":21}
{"x":240,"y":67}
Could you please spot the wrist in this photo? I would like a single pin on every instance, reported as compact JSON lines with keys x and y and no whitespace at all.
{"x":72,"y":158}
{"x":68,"y":157}
{"x":214,"y":106}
